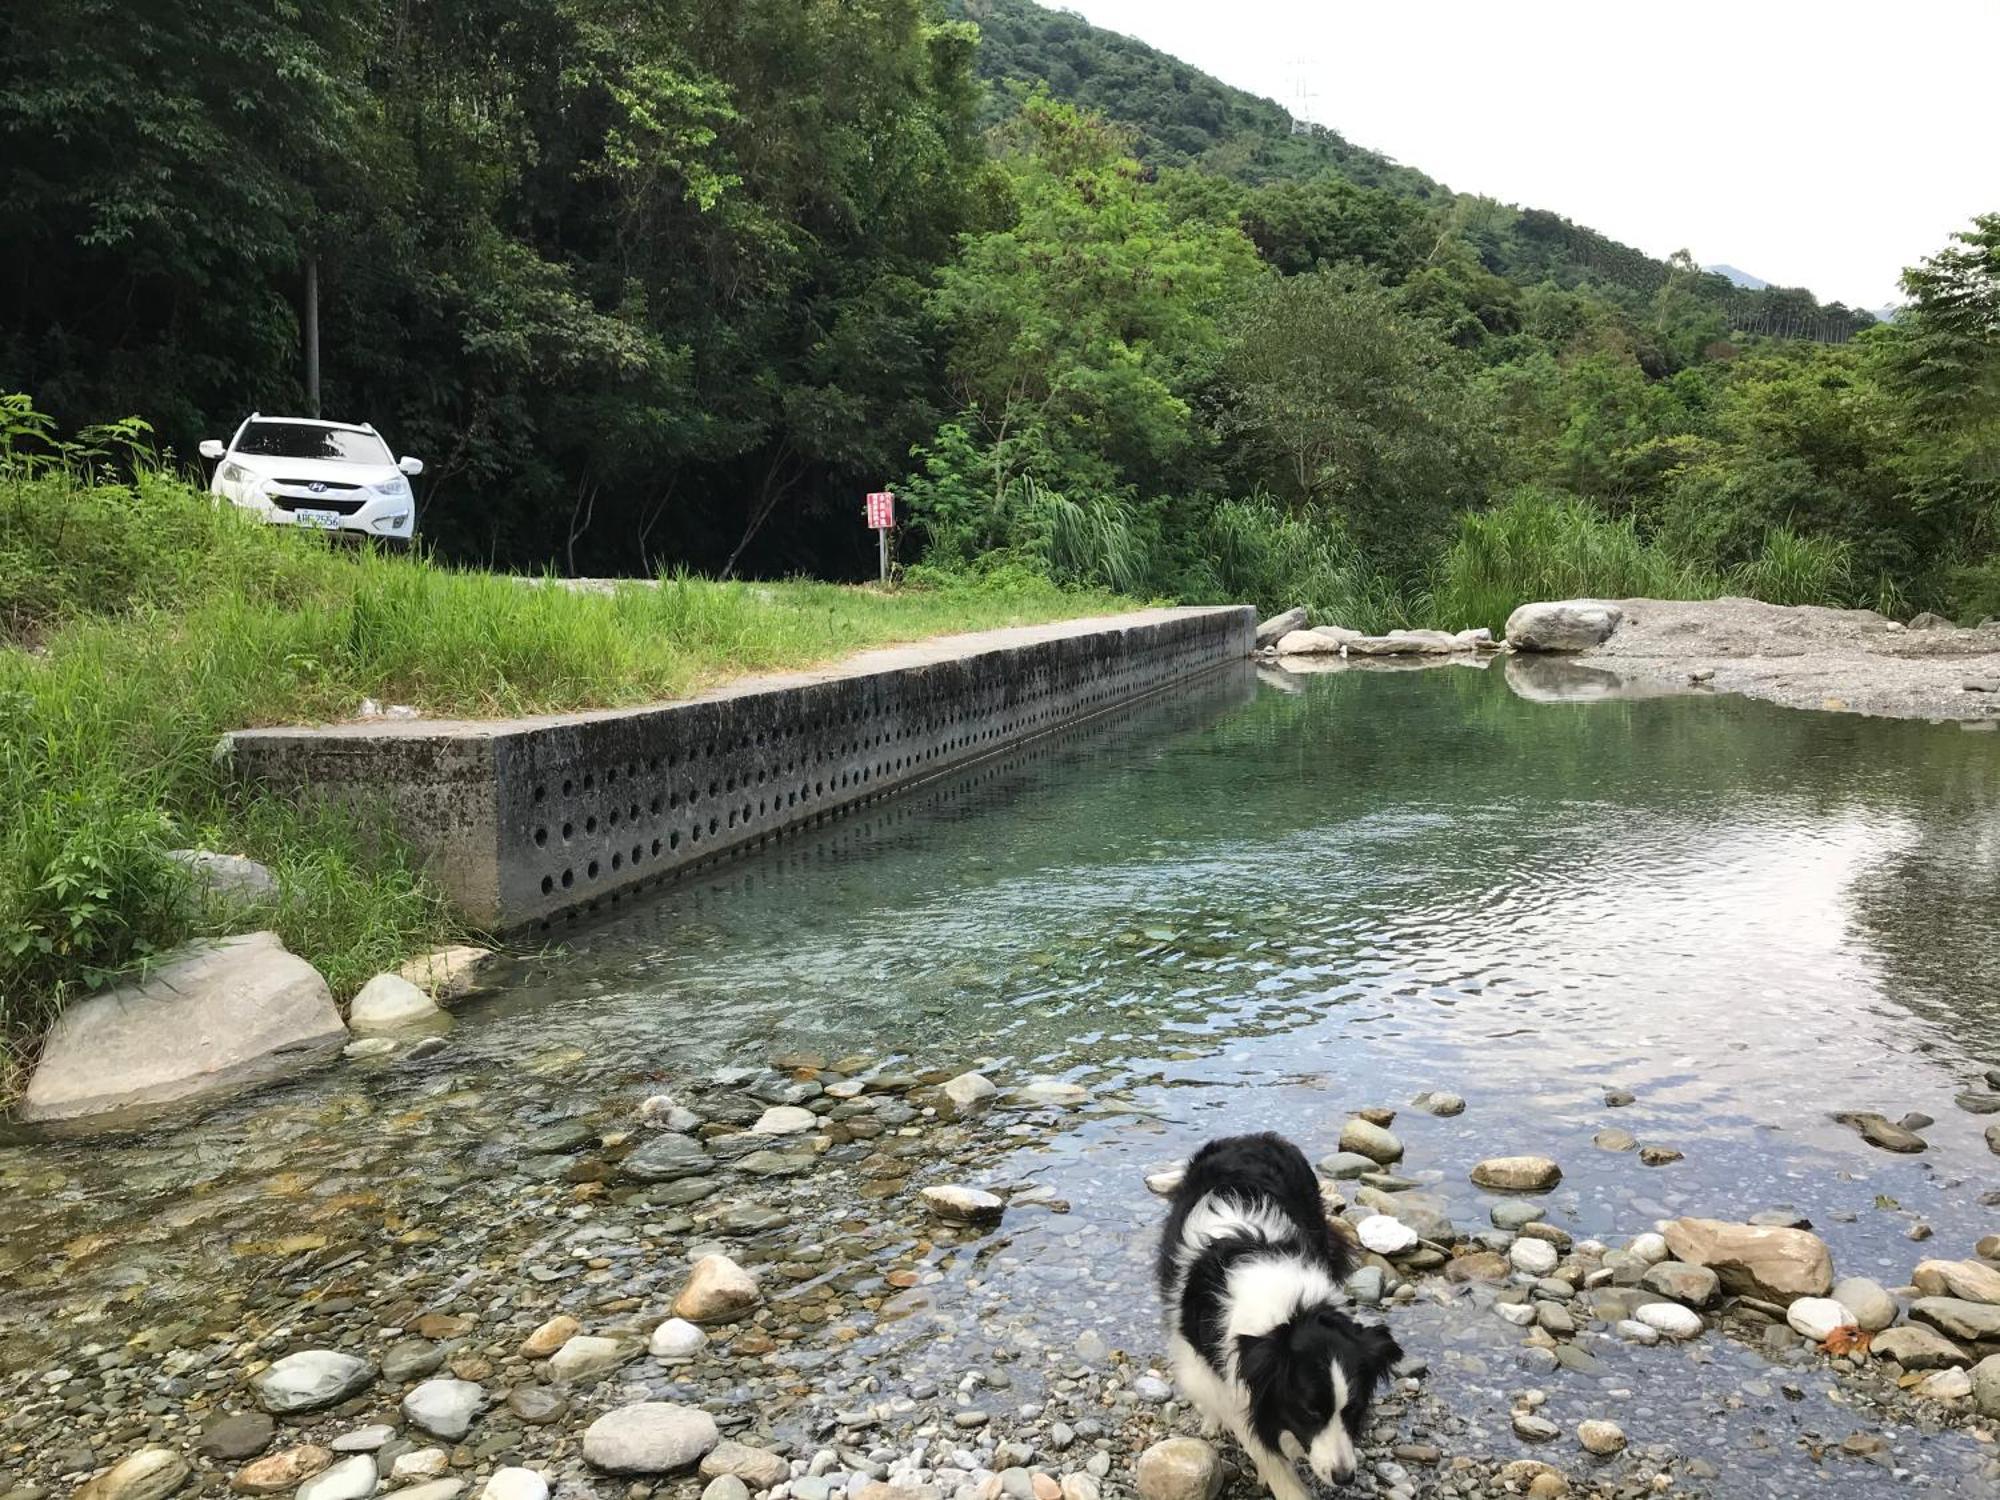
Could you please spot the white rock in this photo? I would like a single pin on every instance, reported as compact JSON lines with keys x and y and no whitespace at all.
{"x":1671,"y":1319}
{"x":444,"y":1408}
{"x":1051,"y":1091}
{"x":419,"y":1463}
{"x":1535,"y":1257}
{"x":1563,"y":625}
{"x":1600,"y":1438}
{"x":389,"y":1002}
{"x":1873,"y":1308}
{"x":515,"y":1483}
{"x":210,"y":1018}
{"x":1819,"y":1318}
{"x":1651,"y":1248}
{"x":350,"y":1479}
{"x":676,"y":1341}
{"x":1161,"y":1184}
{"x":1946,"y":1385}
{"x":717,"y":1290}
{"x":1364,"y":1138}
{"x":311,"y":1379}
{"x":448,"y":973}
{"x":1520,"y":1314}
{"x":370,"y":1046}
{"x":651,"y":1437}
{"x":665,"y":1112}
{"x":1308,"y":643}
{"x":1637,"y":1332}
{"x":436,"y":1489}
{"x":784,"y":1119}
{"x":1386,"y":1236}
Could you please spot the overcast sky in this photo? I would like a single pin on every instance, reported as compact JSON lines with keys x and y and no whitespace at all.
{"x":1824,"y":145}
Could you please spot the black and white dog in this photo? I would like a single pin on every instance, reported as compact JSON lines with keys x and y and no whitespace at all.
{"x":1251,"y":1275}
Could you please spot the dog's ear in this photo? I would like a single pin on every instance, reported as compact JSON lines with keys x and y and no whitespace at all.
{"x":1379,"y":1350}
{"x":1263,"y":1364}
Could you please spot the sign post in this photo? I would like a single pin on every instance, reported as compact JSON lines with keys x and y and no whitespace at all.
{"x":881,"y":516}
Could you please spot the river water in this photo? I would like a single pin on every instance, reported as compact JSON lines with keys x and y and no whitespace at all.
{"x":1262,"y":903}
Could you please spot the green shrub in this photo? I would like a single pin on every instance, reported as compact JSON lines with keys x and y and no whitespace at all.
{"x":1794,"y":569}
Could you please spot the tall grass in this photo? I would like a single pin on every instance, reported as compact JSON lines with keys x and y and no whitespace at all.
{"x":1277,"y":559}
{"x":139,"y":622}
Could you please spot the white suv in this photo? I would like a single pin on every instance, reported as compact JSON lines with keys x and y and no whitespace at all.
{"x":295,"y":471}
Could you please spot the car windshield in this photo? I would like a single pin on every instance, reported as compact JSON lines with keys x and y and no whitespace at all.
{"x":299,"y":440}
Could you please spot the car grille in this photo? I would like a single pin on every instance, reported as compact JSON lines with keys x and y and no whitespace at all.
{"x":340,"y":505}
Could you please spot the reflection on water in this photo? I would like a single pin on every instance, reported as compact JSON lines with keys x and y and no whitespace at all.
{"x":1237,"y":908}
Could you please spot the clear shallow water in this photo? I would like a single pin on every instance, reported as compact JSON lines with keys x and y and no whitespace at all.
{"x":1243,"y":907}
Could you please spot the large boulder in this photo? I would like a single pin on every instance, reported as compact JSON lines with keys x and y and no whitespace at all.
{"x":1779,"y":1265}
{"x":1971,"y":1280}
{"x":213,"y":1017}
{"x":1563,"y":625}
{"x":1275,"y":629}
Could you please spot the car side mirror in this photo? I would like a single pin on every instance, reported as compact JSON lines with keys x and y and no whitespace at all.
{"x":411,"y":466}
{"x":212,"y":448}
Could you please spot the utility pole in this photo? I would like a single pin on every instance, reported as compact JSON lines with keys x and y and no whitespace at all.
{"x":312,"y":332}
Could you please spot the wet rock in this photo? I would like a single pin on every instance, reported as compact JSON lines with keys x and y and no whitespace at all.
{"x":756,"y":1467}
{"x":1967,"y":1280}
{"x":1971,"y":1322}
{"x":1440,"y":1104}
{"x":726,"y":1487}
{"x":1370,"y":1140}
{"x":1179,"y":1468}
{"x":444,"y":1408}
{"x":311,"y":1379}
{"x":1752,"y":1260}
{"x":559,"y":1139}
{"x":1531,"y":1428}
{"x":515,"y":1483}
{"x":676,"y":1341}
{"x":1993,"y":1137}
{"x":419,"y":1463}
{"x":1562,"y":625}
{"x":1480,"y":1265}
{"x":717,"y":1291}
{"x":1697,"y":1286}
{"x":1611,"y":1138}
{"x":664,"y":1112}
{"x":1516,"y":1214}
{"x":585,"y":1358}
{"x":210,"y":1018}
{"x":667,"y":1158}
{"x":237,"y":1436}
{"x":1618,"y":1098}
{"x":1917,"y":1348}
{"x":1986,"y":1385}
{"x":146,"y":1475}
{"x":956,"y":1204}
{"x":1043,"y":1093}
{"x":281,"y":1472}
{"x":1649,"y":1248}
{"x":1873,"y":1308}
{"x":1881,"y":1132}
{"x":651,"y":1437}
{"x":1945,"y":1385}
{"x":1386,"y":1236}
{"x":1670,"y":1319}
{"x":537,"y":1405}
{"x":1517,"y":1174}
{"x":1818,"y":1318}
{"x":364,"y":1439}
{"x":1977,"y":1102}
{"x":389,"y":1002}
{"x":1658,"y":1156}
{"x":550,"y":1337}
{"x":350,"y":1479}
{"x":1344,"y":1166}
{"x":410,"y":1359}
{"x":967,"y":1094}
{"x":1534,"y":1257}
{"x":1600,"y":1437}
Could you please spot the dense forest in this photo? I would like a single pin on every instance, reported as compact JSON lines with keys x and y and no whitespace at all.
{"x":651,"y":283}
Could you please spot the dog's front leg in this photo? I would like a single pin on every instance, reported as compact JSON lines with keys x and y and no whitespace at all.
{"x":1279,"y":1477}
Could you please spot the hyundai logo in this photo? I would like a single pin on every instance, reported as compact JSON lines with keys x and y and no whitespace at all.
{"x":318,"y":486}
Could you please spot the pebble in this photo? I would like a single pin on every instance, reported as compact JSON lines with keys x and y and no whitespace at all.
{"x":717,"y":1290}
{"x":785,"y":1119}
{"x":149,"y":1474}
{"x":311,"y":1379}
{"x":550,"y":1337}
{"x":239,"y":1435}
{"x":1534,"y":1257}
{"x":444,"y":1408}
{"x":350,"y":1479}
{"x":1534,"y":1429}
{"x":584,"y":1357}
{"x":1364,"y":1138}
{"x":1818,"y":1318}
{"x":1440,"y":1104}
{"x":281,"y":1471}
{"x":1516,"y":1214}
{"x":676,"y":1341}
{"x":956,"y":1204}
{"x":725,"y":1487}
{"x":1386,"y":1236}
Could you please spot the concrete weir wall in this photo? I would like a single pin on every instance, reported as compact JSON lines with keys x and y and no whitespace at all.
{"x":525,"y":821}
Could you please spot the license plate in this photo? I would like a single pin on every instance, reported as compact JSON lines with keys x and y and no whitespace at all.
{"x":325,"y":520}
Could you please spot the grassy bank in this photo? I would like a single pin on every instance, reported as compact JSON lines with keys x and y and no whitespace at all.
{"x":138,"y":622}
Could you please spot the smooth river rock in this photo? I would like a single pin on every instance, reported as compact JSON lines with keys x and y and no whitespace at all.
{"x":1969,"y":1280}
{"x":1973,"y":1322}
{"x":1819,"y":1318}
{"x":149,"y":1474}
{"x":444,"y":1408}
{"x":1986,"y":1385}
{"x":668,"y":1158}
{"x":1755,"y":1260}
{"x":311,"y":1379}
{"x":1917,"y":1348}
{"x":1517,"y":1174}
{"x":1386,"y":1236}
{"x":1179,"y":1468}
{"x":1563,"y":625}
{"x":389,"y":1003}
{"x":1671,"y":1319}
{"x":956,"y":1204}
{"x":209,"y":1019}
{"x":1873,"y":1308}
{"x":515,"y":1483}
{"x":717,"y":1291}
{"x":350,"y":1479}
{"x":1371,"y":1141}
{"x":1876,"y":1130}
{"x":651,"y":1437}
{"x":676,"y":1341}
{"x":585,"y":1357}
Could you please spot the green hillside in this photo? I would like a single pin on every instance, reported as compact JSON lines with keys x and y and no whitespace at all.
{"x":1183,"y":117}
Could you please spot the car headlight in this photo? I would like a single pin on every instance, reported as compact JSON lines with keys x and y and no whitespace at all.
{"x":234,"y":473}
{"x":396,"y":488}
